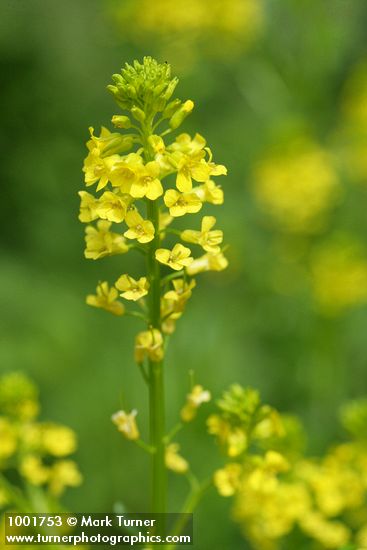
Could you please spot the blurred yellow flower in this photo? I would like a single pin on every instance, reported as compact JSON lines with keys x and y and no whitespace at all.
{"x":102,"y":242}
{"x":208,"y":262}
{"x":8,"y":439}
{"x":298,"y":188}
{"x":64,"y":473}
{"x":58,"y":440}
{"x":174,"y":461}
{"x":149,"y":344}
{"x":339,"y":277}
{"x":88,"y":207}
{"x":132,"y":289}
{"x":227,"y":479}
{"x":126,"y":424}
{"x":194,"y":399}
{"x":106,"y":298}
{"x":33,"y":470}
{"x":177,"y":258}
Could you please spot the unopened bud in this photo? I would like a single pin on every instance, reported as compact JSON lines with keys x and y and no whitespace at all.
{"x":138,"y":113}
{"x":180,"y":115}
{"x":121,"y":121}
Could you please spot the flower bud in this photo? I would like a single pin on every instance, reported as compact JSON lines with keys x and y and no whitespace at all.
{"x":171,"y":108}
{"x":179,"y":116}
{"x":121,"y":121}
{"x":138,"y":113}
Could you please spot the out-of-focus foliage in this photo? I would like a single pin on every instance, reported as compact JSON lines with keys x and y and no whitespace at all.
{"x":289,"y":315}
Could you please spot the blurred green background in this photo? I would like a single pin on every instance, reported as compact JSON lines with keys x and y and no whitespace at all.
{"x":280,"y":89}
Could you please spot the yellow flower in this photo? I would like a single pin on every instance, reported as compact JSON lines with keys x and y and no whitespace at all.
{"x":140,"y":229}
{"x":33,"y":470}
{"x":8,"y":439}
{"x":57,"y":440}
{"x":149,"y":344}
{"x":126,"y":424}
{"x":174,"y":301}
{"x":177,"y":258}
{"x":98,"y":169}
{"x":111,"y":207}
{"x":208,"y":262}
{"x":194,"y":399}
{"x":125,"y":170}
{"x":207,"y":239}
{"x":146,"y":183}
{"x":339,"y":277}
{"x":102,"y":242}
{"x":64,"y":473}
{"x":180,"y":204}
{"x":108,"y":143}
{"x":233,"y":439}
{"x":18,"y":396}
{"x":88,"y":207}
{"x":189,"y":159}
{"x":106,"y":298}
{"x":174,"y":461}
{"x":209,"y":192}
{"x":132,"y":289}
{"x":298,"y":188}
{"x":331,"y":534}
{"x":227,"y":479}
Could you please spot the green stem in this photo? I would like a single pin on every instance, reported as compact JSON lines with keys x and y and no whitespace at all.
{"x":156,"y":378}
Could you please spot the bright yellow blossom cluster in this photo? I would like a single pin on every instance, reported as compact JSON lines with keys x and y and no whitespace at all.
{"x":298,"y":187}
{"x":279,"y":492}
{"x":191,"y":26}
{"x":39,"y":451}
{"x":174,"y":178}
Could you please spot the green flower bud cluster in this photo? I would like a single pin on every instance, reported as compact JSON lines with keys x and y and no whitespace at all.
{"x":146,"y":87}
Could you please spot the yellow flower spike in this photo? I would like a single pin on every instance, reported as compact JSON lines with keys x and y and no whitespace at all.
{"x":132,"y":289}
{"x":147,"y":183}
{"x":8,"y":439}
{"x":64,"y":473}
{"x":106,"y":298}
{"x":140,"y":229}
{"x":227,"y":479}
{"x":33,"y":470}
{"x":108,"y":143}
{"x":57,"y":440}
{"x":102,"y":242}
{"x":88,"y":207}
{"x":98,"y":169}
{"x":149,"y":344}
{"x":177,"y":258}
{"x":208,"y":262}
{"x":209,"y":192}
{"x":174,"y":461}
{"x":207,"y":239}
{"x":194,"y":399}
{"x":126,"y":424}
{"x":111,"y":207}
{"x":180,"y":204}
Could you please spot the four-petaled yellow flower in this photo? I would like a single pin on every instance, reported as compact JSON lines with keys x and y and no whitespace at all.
{"x":126,"y":424}
{"x":132,"y":289}
{"x":102,"y":242}
{"x":207,"y":239}
{"x":98,"y":169}
{"x":149,"y":344}
{"x":146,"y":183}
{"x":111,"y":207}
{"x":106,"y":298}
{"x":209,"y":192}
{"x":194,"y":399}
{"x":177,"y":258}
{"x":88,"y":207}
{"x":208,"y":262}
{"x":140,"y":229}
{"x":180,"y":204}
{"x":175,"y":300}
{"x":174,"y":461}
